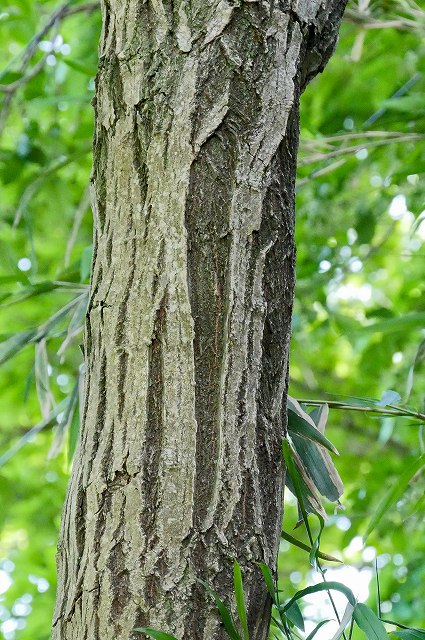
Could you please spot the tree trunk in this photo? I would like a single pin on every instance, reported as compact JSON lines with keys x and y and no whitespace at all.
{"x":179,"y":468}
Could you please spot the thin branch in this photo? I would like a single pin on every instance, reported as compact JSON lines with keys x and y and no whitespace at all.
{"x":57,"y":16}
{"x":14,"y":86}
{"x":366,"y":21}
{"x":342,"y":137}
{"x":391,"y":410}
{"x":318,"y":157}
{"x":321,"y":172}
{"x":30,"y":50}
{"x":33,"y":186}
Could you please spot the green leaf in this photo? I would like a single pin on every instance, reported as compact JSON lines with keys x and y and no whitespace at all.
{"x":396,"y":491}
{"x":295,"y":616}
{"x":225,"y":614}
{"x":31,"y":434}
{"x":85,"y":262}
{"x":156,"y":635}
{"x":45,"y":328}
{"x":319,"y":467}
{"x":346,"y":618}
{"x":313,"y":555}
{"x":301,"y":545}
{"x":369,"y":622}
{"x":268,"y":579}
{"x":42,"y":383}
{"x":320,"y":416}
{"x":64,"y":423}
{"x":294,"y":406}
{"x":15,"y":343}
{"x":322,"y":586}
{"x":240,"y":598}
{"x":9,"y":77}
{"x":300,"y":484}
{"x":74,"y":431}
{"x":28,"y":292}
{"x":316,"y":629}
{"x":76,"y":324}
{"x":409,"y":634}
{"x":301,"y":427}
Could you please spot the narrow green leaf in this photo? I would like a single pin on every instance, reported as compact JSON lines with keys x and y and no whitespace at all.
{"x":31,"y":434}
{"x":46,"y":328}
{"x":240,"y":598}
{"x":76,"y":324}
{"x":85,"y":262}
{"x":295,"y":616}
{"x":225,"y":614}
{"x":320,"y":468}
{"x":14,"y":278}
{"x":409,"y":634}
{"x":300,"y":484}
{"x":268,"y":579}
{"x":42,"y":383}
{"x":346,"y":618}
{"x":313,"y":555}
{"x":273,"y":633}
{"x":74,"y":432}
{"x":303,"y":428}
{"x":322,"y":586}
{"x":369,"y":622}
{"x":316,"y":629}
{"x":8,"y":77}
{"x":294,"y":406}
{"x":417,"y":361}
{"x":64,"y":424}
{"x":156,"y":635}
{"x":317,"y":463}
{"x":394,"y":494}
{"x":301,"y":545}
{"x":18,"y":341}
{"x":15,"y":343}
{"x":27,"y":292}
{"x":320,"y":416}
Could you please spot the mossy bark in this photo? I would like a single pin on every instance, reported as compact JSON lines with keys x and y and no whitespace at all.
{"x":179,"y":468}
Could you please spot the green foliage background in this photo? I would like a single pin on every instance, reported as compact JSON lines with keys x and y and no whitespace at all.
{"x":359,"y":315}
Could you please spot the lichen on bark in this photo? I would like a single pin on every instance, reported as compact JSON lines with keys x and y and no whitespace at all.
{"x":178,"y":469}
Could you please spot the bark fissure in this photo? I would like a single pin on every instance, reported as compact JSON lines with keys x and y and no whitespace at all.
{"x":178,"y":470}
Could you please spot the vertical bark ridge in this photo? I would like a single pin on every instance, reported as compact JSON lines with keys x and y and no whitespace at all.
{"x":178,"y":469}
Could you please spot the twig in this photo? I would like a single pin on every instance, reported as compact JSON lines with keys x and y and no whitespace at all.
{"x":57,"y":16}
{"x":398,"y":94}
{"x":366,"y":21}
{"x":408,"y":137}
{"x":342,"y":137}
{"x":391,"y":410}
{"x":14,"y":86}
{"x":32,"y":187}
{"x":53,"y":21}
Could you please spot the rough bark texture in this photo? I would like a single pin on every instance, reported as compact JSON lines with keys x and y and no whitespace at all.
{"x":179,"y":466}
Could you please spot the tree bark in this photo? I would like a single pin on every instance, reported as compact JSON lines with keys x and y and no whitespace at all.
{"x":179,"y":468}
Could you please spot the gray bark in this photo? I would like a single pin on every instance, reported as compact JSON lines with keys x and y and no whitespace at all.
{"x":179,"y":467}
